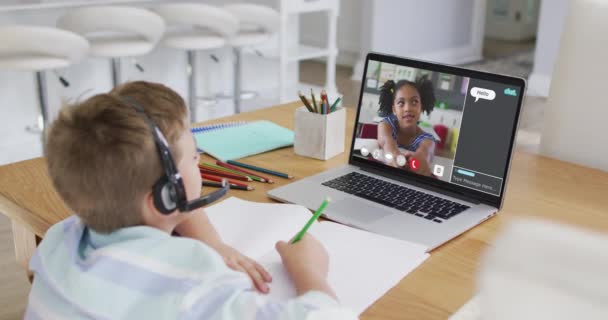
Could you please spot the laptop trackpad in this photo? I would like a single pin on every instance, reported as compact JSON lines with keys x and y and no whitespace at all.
{"x":357,"y":210}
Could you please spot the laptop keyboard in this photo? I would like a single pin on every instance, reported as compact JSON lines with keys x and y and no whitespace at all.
{"x":395,"y":196}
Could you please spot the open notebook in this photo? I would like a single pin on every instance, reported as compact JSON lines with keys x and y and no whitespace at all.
{"x":363,"y":265}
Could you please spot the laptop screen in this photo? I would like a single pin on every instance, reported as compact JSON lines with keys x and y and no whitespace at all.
{"x":445,"y":124}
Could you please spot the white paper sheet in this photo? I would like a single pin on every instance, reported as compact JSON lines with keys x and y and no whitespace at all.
{"x":363,"y":265}
{"x":254,"y":228}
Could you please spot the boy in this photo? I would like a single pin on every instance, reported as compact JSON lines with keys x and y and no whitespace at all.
{"x":116,"y":258}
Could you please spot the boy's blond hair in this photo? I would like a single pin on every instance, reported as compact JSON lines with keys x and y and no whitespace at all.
{"x":101,"y":155}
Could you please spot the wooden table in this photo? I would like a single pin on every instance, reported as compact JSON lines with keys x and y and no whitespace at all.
{"x":538,"y":186}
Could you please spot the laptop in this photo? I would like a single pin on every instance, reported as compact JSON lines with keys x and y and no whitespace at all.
{"x":430,"y":154}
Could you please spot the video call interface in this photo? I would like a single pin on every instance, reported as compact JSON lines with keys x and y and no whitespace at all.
{"x":447,"y":127}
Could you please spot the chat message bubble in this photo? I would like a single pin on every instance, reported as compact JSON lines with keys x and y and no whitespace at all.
{"x":480,"y":93}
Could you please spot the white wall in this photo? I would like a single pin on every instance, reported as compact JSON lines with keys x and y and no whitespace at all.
{"x":513,"y":20}
{"x":435,"y":30}
{"x":574,"y":126}
{"x":552,"y":17}
{"x":408,"y":29}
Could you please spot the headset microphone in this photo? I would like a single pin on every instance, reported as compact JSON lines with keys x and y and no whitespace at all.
{"x":214,"y":196}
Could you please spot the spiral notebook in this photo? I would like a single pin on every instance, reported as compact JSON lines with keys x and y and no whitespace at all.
{"x":212,"y":127}
{"x":219,"y":126}
{"x":238,"y":140}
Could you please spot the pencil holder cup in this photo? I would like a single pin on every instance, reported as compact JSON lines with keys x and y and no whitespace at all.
{"x":319,"y":136}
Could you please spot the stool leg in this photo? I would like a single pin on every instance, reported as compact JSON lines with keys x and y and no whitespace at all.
{"x":115,"y":71}
{"x":192,"y":84}
{"x":42,"y":104}
{"x":237,"y":80}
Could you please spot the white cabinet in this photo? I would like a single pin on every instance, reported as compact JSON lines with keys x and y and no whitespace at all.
{"x":289,"y":53}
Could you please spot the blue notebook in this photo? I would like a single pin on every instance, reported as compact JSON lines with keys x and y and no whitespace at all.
{"x":236,"y":142}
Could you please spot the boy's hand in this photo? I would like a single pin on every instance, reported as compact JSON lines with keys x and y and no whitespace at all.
{"x":239,"y":262}
{"x":307,"y":263}
{"x":305,"y":256}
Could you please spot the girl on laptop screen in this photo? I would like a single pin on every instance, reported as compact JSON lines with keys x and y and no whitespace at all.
{"x":401,"y":104}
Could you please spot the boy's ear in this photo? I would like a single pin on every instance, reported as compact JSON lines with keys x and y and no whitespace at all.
{"x":148,"y":209}
{"x":152,"y":217}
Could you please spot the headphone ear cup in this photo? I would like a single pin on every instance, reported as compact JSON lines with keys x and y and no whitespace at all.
{"x":165,"y":196}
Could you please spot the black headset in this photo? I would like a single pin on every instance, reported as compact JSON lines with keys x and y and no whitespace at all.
{"x":169,"y":192}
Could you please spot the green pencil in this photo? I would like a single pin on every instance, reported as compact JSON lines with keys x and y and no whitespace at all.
{"x":254,"y":168}
{"x":315,"y":216}
{"x":314,"y":101}
{"x":334,"y":105}
{"x":305,"y":102}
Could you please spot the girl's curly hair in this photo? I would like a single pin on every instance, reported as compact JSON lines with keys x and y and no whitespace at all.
{"x":388,"y":89}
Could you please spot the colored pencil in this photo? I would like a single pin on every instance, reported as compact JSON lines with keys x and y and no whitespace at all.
{"x":324,"y":101}
{"x":314,"y":217}
{"x":333,"y":106}
{"x":232,"y":186}
{"x":254,"y":168}
{"x":314,"y":101}
{"x":220,"y":169}
{"x":215,"y":178}
{"x":249,"y":173}
{"x":305,"y":101}
{"x":225,"y":174}
{"x":235,"y":171}
{"x":211,"y":166}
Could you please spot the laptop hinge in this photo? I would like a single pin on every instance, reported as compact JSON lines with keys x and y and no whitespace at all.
{"x":454,"y":194}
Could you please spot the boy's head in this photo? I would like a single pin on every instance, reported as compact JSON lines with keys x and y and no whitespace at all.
{"x":104,"y":162}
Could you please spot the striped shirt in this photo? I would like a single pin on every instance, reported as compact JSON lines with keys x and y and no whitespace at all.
{"x":413,"y":146}
{"x":144,"y":273}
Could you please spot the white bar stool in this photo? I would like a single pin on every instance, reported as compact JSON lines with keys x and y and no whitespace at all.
{"x":196,"y":27}
{"x":38,"y":49}
{"x":257,"y":24}
{"x":116,"y":32}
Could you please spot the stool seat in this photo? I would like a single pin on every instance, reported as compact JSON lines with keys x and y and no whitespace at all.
{"x":249,"y":38}
{"x":192,"y":39}
{"x":32,"y":62}
{"x":120,"y":46}
{"x":35,"y":48}
{"x":257,"y":23}
{"x":195,"y":27}
{"x":115,"y":31}
{"x":192,"y":18}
